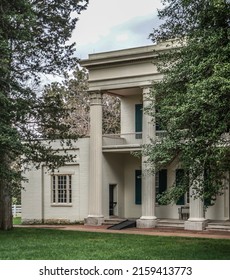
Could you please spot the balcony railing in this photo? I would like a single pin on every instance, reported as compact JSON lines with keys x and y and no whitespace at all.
{"x":132,"y":138}
{"x":122,"y":139}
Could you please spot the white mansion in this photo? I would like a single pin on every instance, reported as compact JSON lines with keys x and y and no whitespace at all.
{"x":107,"y":180}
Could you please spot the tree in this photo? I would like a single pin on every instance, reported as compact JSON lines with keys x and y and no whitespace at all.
{"x":192,"y":102}
{"x":34,"y":38}
{"x":75,"y":99}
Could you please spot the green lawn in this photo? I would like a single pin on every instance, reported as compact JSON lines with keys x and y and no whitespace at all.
{"x":17,"y":220}
{"x":51,"y":244}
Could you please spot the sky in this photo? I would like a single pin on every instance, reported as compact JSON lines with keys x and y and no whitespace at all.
{"x":115,"y":24}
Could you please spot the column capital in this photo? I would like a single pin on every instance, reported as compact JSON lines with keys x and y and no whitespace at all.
{"x":146,"y":91}
{"x":95,"y":98}
{"x":146,"y":88}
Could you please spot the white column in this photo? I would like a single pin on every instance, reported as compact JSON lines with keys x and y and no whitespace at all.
{"x":196,"y":219}
{"x":95,"y":216}
{"x":148,"y":218}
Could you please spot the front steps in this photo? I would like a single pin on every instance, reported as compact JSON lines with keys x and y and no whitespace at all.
{"x":179,"y":224}
{"x":170,"y":223}
{"x":161,"y":223}
{"x":174,"y":224}
{"x":218,"y":226}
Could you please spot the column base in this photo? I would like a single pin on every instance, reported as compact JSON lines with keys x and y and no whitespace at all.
{"x":94,"y":220}
{"x":194,"y":224}
{"x":146,"y":222}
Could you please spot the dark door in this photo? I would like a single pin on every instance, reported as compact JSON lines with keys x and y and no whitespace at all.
{"x":138,"y":188}
{"x":112,"y":202}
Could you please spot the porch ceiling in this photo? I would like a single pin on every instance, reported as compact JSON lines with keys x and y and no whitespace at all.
{"x":125,"y":91}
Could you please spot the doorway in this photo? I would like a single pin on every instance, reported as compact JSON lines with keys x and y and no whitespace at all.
{"x":112,"y":200}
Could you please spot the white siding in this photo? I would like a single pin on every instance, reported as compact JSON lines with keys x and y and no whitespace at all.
{"x":113,"y":173}
{"x":128,"y":113}
{"x":36,"y":196}
{"x":131,"y":209}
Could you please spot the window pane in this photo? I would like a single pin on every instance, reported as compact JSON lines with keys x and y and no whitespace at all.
{"x":61,"y":189}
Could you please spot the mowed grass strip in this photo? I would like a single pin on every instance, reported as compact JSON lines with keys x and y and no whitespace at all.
{"x":51,"y":244}
{"x":17,"y":220}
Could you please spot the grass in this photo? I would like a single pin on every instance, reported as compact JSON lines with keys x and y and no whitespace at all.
{"x":51,"y":244}
{"x":17,"y":220}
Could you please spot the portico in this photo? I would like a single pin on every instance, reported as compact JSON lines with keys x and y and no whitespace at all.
{"x":128,"y":74}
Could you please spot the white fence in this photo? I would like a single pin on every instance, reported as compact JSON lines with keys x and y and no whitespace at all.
{"x":16,"y":210}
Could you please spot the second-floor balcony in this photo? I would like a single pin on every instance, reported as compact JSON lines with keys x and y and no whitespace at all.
{"x":126,"y":141}
{"x":122,"y":142}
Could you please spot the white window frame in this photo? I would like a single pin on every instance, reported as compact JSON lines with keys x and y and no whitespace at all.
{"x":61,"y":189}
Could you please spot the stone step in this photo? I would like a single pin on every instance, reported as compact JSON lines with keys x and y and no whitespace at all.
{"x":170,"y":223}
{"x":218,"y":227}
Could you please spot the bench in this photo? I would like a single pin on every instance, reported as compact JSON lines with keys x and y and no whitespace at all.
{"x":183,"y":212}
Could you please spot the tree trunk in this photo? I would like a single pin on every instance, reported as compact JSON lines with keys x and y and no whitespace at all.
{"x":6,"y":220}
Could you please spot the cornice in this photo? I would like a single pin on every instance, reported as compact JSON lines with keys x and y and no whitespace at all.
{"x":121,"y":57}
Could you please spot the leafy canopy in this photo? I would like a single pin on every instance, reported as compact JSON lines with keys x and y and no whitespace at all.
{"x":34,"y":41}
{"x":75,"y":100}
{"x":193,"y":99}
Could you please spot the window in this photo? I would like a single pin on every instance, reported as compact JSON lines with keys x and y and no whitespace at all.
{"x":161,"y":182}
{"x":61,"y":189}
{"x":138,"y":120}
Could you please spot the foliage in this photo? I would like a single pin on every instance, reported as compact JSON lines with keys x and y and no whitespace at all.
{"x":34,"y":38}
{"x":75,"y":100}
{"x":193,"y":99}
{"x":111,"y":114}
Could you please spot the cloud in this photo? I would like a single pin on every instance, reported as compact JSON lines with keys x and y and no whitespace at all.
{"x":132,"y":33}
{"x":113,"y":24}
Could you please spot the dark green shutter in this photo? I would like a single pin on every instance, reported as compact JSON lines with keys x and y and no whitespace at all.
{"x":138,"y":120}
{"x":138,"y":187}
{"x":179,"y":179}
{"x":162,"y":182}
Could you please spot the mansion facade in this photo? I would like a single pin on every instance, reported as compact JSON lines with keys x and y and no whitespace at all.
{"x":106,"y":179}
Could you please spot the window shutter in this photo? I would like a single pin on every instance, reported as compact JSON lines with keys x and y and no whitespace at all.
{"x":179,"y":179}
{"x":138,"y":120}
{"x":162,"y":180}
